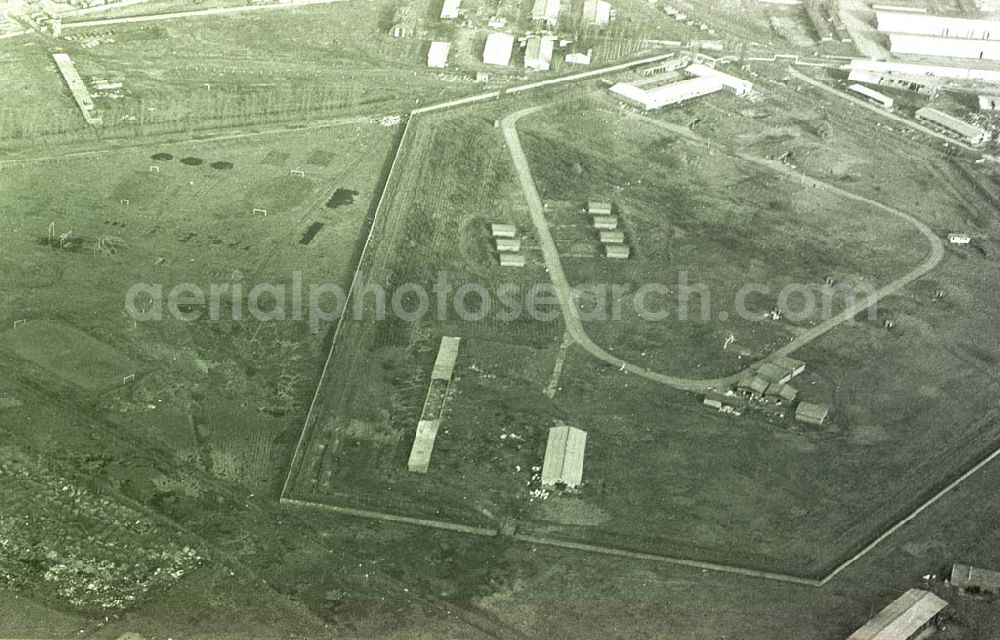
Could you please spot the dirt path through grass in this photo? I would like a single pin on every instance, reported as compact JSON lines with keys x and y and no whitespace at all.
{"x":564,"y":290}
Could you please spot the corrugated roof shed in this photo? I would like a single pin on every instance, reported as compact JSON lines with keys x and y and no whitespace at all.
{"x":564,"y":454}
{"x":903,"y":618}
{"x":970,"y":132}
{"x":964,"y":576}
{"x":423,"y":446}
{"x":872,"y":94}
{"x":444,"y":365}
{"x":595,"y":208}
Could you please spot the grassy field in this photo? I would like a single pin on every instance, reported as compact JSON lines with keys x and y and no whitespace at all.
{"x":214,"y":398}
{"x":697,"y":216}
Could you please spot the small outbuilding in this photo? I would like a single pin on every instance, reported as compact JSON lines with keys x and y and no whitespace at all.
{"x":782,"y":392}
{"x":607,"y":223}
{"x":501,"y":230}
{"x":449,"y":10}
{"x":812,"y":413}
{"x":773,"y":373}
{"x":509,"y":245}
{"x":512,"y":260}
{"x":974,"y":579}
{"x":793,"y":365}
{"x":720,"y":400}
{"x":564,"y":454}
{"x":612,"y":237}
{"x":617,"y":251}
{"x":599,"y":208}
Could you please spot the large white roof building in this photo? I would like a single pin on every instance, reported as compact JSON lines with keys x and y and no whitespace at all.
{"x":739,"y":86}
{"x":499,"y":47}
{"x":906,"y":44}
{"x":437,"y":55}
{"x":903,"y":619}
{"x":667,"y":94}
{"x":939,"y":26}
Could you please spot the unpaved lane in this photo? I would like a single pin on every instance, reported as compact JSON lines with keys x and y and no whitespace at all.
{"x":564,"y":290}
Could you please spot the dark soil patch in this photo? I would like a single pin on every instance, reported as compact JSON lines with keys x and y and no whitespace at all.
{"x":162,"y":156}
{"x":311,"y":232}
{"x":192,"y":162}
{"x":320,"y":158}
{"x":222,"y":164}
{"x":341,"y":197}
{"x":275,"y":158}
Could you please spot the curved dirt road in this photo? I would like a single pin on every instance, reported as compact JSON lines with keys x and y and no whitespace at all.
{"x":570,"y":311}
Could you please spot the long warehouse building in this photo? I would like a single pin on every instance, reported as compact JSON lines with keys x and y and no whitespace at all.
{"x":906,"y":618}
{"x":905,"y":44}
{"x":939,"y":26}
{"x":969,"y":132}
{"x":77,"y":87}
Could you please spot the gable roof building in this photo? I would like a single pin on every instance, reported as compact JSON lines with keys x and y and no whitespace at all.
{"x":564,"y":456}
{"x":903,"y":619}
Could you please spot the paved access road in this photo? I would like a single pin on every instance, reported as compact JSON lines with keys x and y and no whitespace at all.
{"x":570,"y":311}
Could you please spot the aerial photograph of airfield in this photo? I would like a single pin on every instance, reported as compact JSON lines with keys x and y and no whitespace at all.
{"x":500,"y":319}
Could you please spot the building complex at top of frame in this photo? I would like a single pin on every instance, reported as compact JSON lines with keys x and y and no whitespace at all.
{"x":921,"y":24}
{"x":906,"y":618}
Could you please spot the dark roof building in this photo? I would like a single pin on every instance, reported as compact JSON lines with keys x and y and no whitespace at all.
{"x":811,"y":413}
{"x":964,"y":576}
